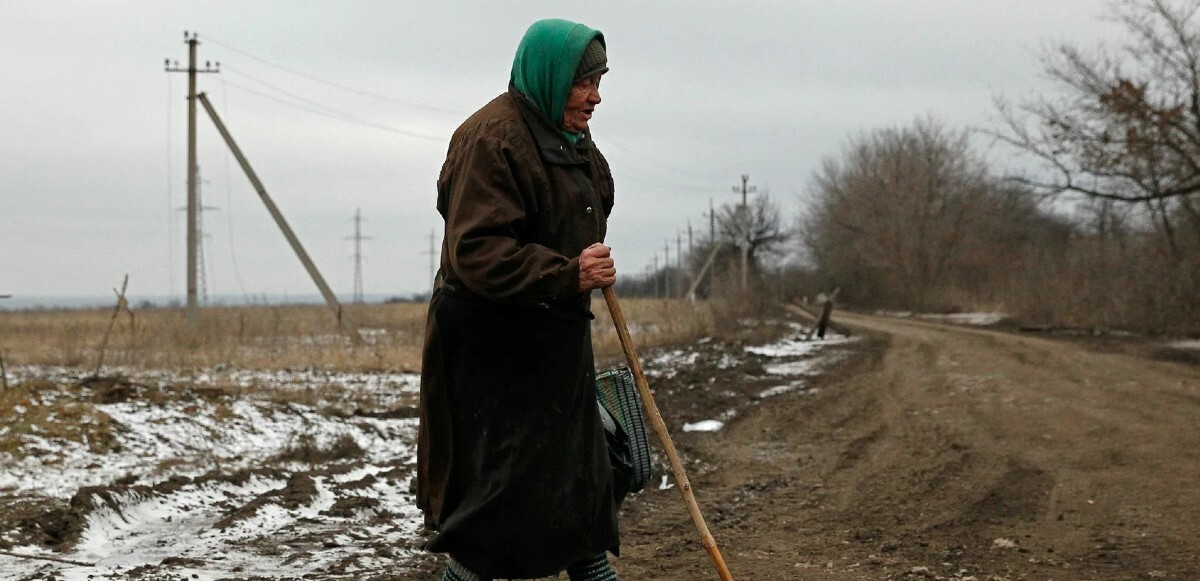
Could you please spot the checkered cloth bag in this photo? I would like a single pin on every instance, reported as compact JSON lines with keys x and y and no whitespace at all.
{"x":621,"y":411}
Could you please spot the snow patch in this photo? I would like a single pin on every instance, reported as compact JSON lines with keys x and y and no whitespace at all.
{"x":704,"y":426}
{"x":977,"y":319}
{"x":796,"y":347}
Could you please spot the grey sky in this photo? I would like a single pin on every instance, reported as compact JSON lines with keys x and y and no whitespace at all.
{"x":92,"y":146}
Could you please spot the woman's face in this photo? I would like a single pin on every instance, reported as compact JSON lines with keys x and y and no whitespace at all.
{"x":581,"y":102}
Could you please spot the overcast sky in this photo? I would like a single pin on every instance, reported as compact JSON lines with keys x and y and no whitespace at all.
{"x":348,"y":105}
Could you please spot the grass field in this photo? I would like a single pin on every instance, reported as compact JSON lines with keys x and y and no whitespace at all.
{"x":286,"y":337}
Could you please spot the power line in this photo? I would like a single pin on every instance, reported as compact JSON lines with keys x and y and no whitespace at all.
{"x":344,"y":117}
{"x":170,"y":192}
{"x":333,"y":84}
{"x":289,"y":94}
{"x":647,"y":177}
{"x":690,"y":173}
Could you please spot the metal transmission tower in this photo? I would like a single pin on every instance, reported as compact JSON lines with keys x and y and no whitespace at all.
{"x":433,"y":255}
{"x":193,"y":209}
{"x":201,"y":268}
{"x":745,"y":241}
{"x":358,"y":238}
{"x":201,"y":264}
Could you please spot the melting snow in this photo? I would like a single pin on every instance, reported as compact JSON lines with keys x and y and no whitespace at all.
{"x":800,"y":367}
{"x":980,"y":319}
{"x":189,"y":438}
{"x":794,"y":346}
{"x":1185,"y":344}
{"x":704,"y":426}
{"x":668,"y":364}
{"x":795,"y":357}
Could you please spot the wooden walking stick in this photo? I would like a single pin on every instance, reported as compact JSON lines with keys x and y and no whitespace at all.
{"x":681,"y":479}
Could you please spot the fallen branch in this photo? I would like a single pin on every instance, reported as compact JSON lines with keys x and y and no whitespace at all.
{"x":46,"y":558}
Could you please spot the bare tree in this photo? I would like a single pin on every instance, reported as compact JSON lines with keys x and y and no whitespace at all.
{"x":759,"y":223}
{"x":910,"y":218}
{"x":1124,"y":123}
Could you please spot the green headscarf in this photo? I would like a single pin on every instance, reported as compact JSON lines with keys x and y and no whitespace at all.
{"x":544,"y":67}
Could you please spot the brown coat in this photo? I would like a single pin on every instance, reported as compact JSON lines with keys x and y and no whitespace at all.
{"x":513,"y":469}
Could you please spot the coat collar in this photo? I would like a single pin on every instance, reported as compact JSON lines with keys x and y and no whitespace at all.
{"x":550,"y":140}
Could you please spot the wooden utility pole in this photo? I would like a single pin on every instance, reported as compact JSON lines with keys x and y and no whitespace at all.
{"x":330,"y":299}
{"x":691,"y":294}
{"x":712,"y":222}
{"x":193,"y":239}
{"x":656,"y":287}
{"x":667,"y":268}
{"x":690,"y":236}
{"x":745,"y":242}
{"x":678,"y":257}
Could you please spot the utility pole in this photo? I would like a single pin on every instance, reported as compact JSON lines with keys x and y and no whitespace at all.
{"x":745,"y":242}
{"x":432,"y":254}
{"x":678,"y":255}
{"x":656,"y":288}
{"x":330,"y":299}
{"x":192,"y":202}
{"x":712,"y":222}
{"x":667,"y":267}
{"x":690,"y":250}
{"x":358,"y":238}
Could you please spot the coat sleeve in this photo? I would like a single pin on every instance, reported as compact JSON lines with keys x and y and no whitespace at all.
{"x":487,"y":211}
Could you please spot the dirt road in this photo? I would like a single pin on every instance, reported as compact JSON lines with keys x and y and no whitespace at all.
{"x":937,"y":452}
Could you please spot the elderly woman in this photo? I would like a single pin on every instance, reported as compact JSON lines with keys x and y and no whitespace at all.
{"x":513,"y":471}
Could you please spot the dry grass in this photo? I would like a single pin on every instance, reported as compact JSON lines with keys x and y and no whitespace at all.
{"x":253,"y":337}
{"x":23,"y":414}
{"x":290,"y":337}
{"x":652,"y":323}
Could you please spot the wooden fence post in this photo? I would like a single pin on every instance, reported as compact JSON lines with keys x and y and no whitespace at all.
{"x":121,"y":304}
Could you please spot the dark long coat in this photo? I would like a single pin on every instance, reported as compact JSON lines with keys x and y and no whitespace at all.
{"x":513,"y":469}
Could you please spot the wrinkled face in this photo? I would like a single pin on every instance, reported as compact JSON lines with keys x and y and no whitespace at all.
{"x":581,"y":102}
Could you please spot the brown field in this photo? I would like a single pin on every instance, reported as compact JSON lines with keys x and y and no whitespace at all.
{"x":287,"y":337}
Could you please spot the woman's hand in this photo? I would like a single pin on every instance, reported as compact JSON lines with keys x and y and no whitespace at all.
{"x":596,"y":268}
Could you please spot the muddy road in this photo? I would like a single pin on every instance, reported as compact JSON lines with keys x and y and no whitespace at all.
{"x":938,"y":452}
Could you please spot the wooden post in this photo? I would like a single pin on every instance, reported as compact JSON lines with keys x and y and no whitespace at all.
{"x":817,"y":319}
{"x":343,"y":319}
{"x":824,"y":322}
{"x":691,"y":294}
{"x":121,"y":304}
{"x":660,"y":427}
{"x":3,"y":372}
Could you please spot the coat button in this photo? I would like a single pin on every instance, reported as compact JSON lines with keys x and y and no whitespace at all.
{"x":588,"y":210}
